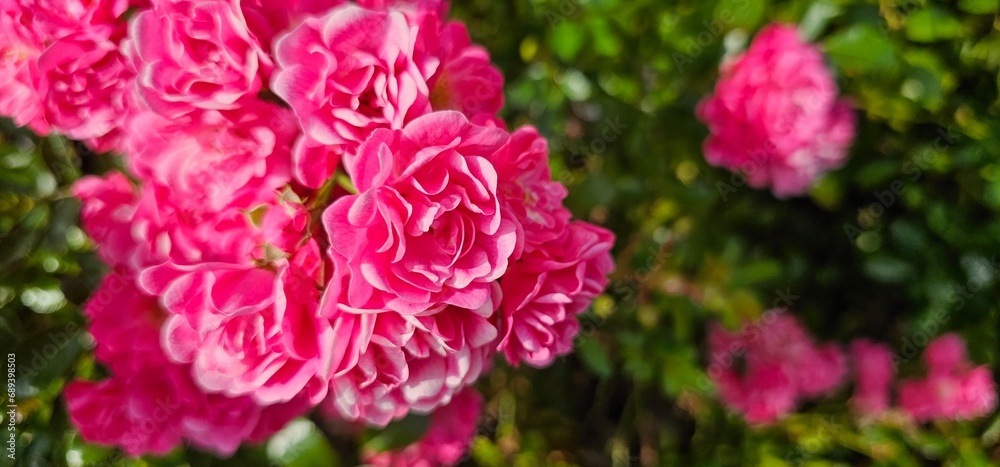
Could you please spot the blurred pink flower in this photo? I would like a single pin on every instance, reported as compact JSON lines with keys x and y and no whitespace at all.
{"x":84,"y":80}
{"x":769,"y":366}
{"x":775,"y":116}
{"x":945,"y":353}
{"x":109,"y":206}
{"x":61,"y":70}
{"x":953,"y":389}
{"x":546,"y":289}
{"x":214,"y":160}
{"x":19,"y":99}
{"x":426,"y":227}
{"x":50,"y":20}
{"x":446,"y":440}
{"x":139,"y":227}
{"x":873,"y":375}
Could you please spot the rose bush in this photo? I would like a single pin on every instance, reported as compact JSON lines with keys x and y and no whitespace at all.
{"x":192,"y":296}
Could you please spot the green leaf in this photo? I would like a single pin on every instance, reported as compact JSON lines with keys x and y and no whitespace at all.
{"x":300,"y":444}
{"x":48,"y":355}
{"x":595,"y":357}
{"x":888,"y":270}
{"x":399,"y":434}
{"x":861,"y":48}
{"x":567,"y":39}
{"x":932,"y":24}
{"x":979,"y":6}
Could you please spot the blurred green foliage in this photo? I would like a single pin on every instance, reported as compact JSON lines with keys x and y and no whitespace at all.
{"x":900,"y":245}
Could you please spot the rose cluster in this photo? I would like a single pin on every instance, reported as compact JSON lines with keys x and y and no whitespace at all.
{"x":764,"y":370}
{"x":321,"y":209}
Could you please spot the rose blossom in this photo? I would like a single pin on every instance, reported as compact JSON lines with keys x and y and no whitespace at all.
{"x":349,"y":72}
{"x":19,"y":100}
{"x":536,"y":200}
{"x":83,"y":80}
{"x":247,"y":331}
{"x":953,"y":389}
{"x":63,"y":68}
{"x":775,"y":114}
{"x":447,"y":438}
{"x":240,"y":295}
{"x":149,"y":405}
{"x":547,"y":288}
{"x":781,"y":365}
{"x":387,"y":364}
{"x":109,"y":205}
{"x":195,"y":55}
{"x":466,"y":81}
{"x":426,"y":226}
{"x":139,"y":227}
{"x":50,"y":20}
{"x":237,"y":158}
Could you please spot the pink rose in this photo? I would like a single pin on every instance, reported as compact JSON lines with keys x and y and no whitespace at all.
{"x":149,"y":405}
{"x":247,"y":330}
{"x":447,"y":438}
{"x":387,"y":364}
{"x":768,"y":367}
{"x":775,"y":114}
{"x":763,"y":394}
{"x":138,"y":227}
{"x":426,"y":227}
{"x":50,"y":20}
{"x":536,"y":200}
{"x":83,"y":80}
{"x":240,"y":296}
{"x":873,"y":373}
{"x":80,"y":80}
{"x":195,"y":55}
{"x":349,"y":72}
{"x":953,"y":389}
{"x":109,"y":205}
{"x":19,"y":100}
{"x":213,"y":160}
{"x":415,"y":9}
{"x":545,"y":290}
{"x":467,"y":81}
